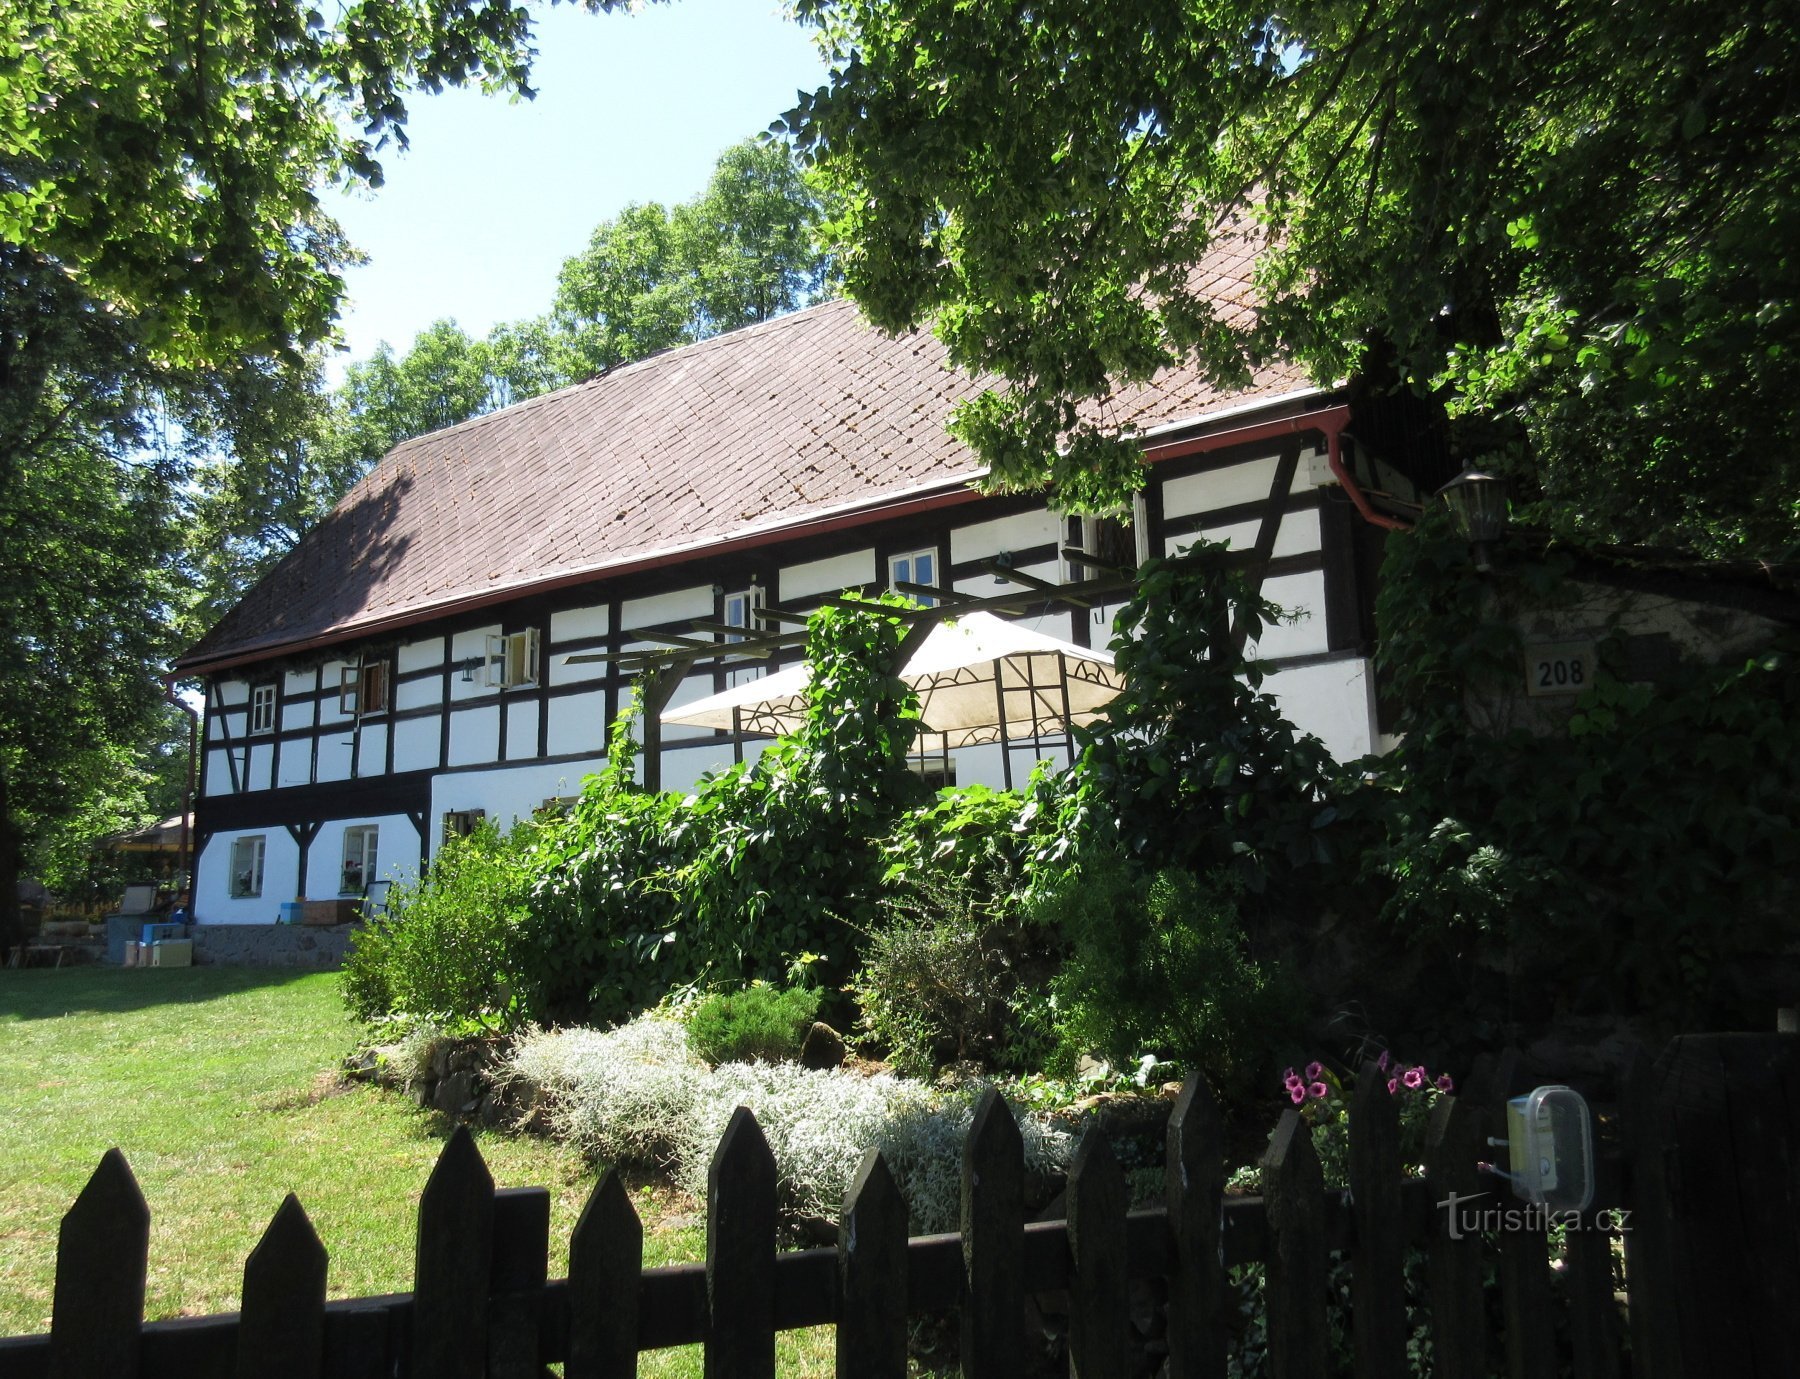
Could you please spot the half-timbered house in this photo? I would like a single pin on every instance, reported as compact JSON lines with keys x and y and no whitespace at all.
{"x":440,"y":648}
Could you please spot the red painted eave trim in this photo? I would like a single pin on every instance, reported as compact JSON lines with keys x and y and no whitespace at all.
{"x":1327,"y":423}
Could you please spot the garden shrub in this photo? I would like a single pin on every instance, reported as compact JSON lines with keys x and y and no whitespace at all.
{"x":819,"y":1123}
{"x":620,"y":1095}
{"x":448,"y":948}
{"x":1158,"y":964}
{"x":638,"y":1094}
{"x":947,"y":974}
{"x":761,"y":1021}
{"x":640,"y":892}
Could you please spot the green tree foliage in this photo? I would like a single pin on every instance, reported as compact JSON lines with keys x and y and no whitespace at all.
{"x":1569,"y":223}
{"x":87,"y":571}
{"x":745,"y":250}
{"x":1192,"y":765}
{"x":164,"y":262}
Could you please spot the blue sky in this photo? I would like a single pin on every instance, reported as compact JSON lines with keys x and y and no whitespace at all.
{"x":477,"y":216}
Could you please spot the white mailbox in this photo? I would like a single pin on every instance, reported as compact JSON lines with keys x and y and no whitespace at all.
{"x":1550,"y":1140}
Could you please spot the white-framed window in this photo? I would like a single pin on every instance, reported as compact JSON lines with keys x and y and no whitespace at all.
{"x":914,"y":567}
{"x":512,"y":660}
{"x":361,"y":842}
{"x":460,"y":823}
{"x":247,"y":866}
{"x":363,"y":689}
{"x":262,"y":709}
{"x":743,"y":609}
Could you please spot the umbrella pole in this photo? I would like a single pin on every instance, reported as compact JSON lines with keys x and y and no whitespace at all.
{"x":1000,"y":702}
{"x":1062,"y":665}
{"x":737,"y":735}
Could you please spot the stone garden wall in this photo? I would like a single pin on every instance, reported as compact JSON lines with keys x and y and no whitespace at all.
{"x":270,"y":945}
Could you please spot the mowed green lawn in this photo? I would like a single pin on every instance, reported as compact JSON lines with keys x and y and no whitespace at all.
{"x":220,"y":1086}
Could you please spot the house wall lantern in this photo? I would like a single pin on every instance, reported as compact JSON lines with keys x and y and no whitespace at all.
{"x":1477,"y":504}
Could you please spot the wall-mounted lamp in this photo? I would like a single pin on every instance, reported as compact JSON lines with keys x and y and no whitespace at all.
{"x":468,"y":669}
{"x":1477,"y":503}
{"x":1001,"y":562}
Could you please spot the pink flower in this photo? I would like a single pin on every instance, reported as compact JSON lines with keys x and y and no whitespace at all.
{"x":1290,"y":1075}
{"x":1393,"y":1085}
{"x":1381,"y":1064}
{"x":1292,"y":1082}
{"x":1314,"y":1071}
{"x":1414,"y":1078}
{"x":1319,"y":1090}
{"x":1297,"y":1092}
{"x":1444,"y":1084}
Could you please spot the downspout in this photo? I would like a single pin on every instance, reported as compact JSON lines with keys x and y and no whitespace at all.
{"x":187,"y":796}
{"x":1335,"y":459}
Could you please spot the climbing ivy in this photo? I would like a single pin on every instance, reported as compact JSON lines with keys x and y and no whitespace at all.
{"x":641,"y":891}
{"x":1192,"y":766}
{"x":1632,"y":857}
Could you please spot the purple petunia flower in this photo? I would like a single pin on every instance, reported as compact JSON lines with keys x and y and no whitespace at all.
{"x":1292,"y":1082}
{"x":1414,"y":1078}
{"x":1444,"y":1084}
{"x":1381,"y":1064}
{"x":1393,"y":1085}
{"x":1319,"y":1090}
{"x":1314,"y":1071}
{"x":1297,"y":1092}
{"x":1290,"y":1075}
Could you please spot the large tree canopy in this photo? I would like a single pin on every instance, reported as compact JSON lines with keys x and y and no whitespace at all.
{"x":164,"y":266}
{"x":1570,"y":222}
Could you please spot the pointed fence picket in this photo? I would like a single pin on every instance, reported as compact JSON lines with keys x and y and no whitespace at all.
{"x":482,"y":1304}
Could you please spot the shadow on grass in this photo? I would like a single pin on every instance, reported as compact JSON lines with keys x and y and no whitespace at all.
{"x":51,"y":993}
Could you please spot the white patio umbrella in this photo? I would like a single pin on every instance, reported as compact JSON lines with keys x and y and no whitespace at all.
{"x":979,"y":679}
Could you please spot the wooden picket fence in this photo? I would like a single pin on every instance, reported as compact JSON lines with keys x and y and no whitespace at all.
{"x":482,"y":1304}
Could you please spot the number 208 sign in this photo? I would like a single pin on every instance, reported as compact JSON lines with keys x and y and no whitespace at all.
{"x":1559,"y":667}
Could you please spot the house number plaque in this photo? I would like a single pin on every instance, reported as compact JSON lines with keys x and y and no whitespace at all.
{"x":1559,"y":667}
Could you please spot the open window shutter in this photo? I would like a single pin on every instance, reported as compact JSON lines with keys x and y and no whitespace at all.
{"x":494,"y":675}
{"x":350,"y":690}
{"x":375,"y":687}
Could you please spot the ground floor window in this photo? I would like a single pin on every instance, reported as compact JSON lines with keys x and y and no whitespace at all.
{"x":360,"y":842}
{"x":247,"y":866}
{"x":460,"y":823}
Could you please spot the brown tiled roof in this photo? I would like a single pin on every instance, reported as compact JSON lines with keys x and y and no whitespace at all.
{"x":766,"y":427}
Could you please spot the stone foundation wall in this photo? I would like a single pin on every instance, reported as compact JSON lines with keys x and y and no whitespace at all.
{"x":270,"y":945}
